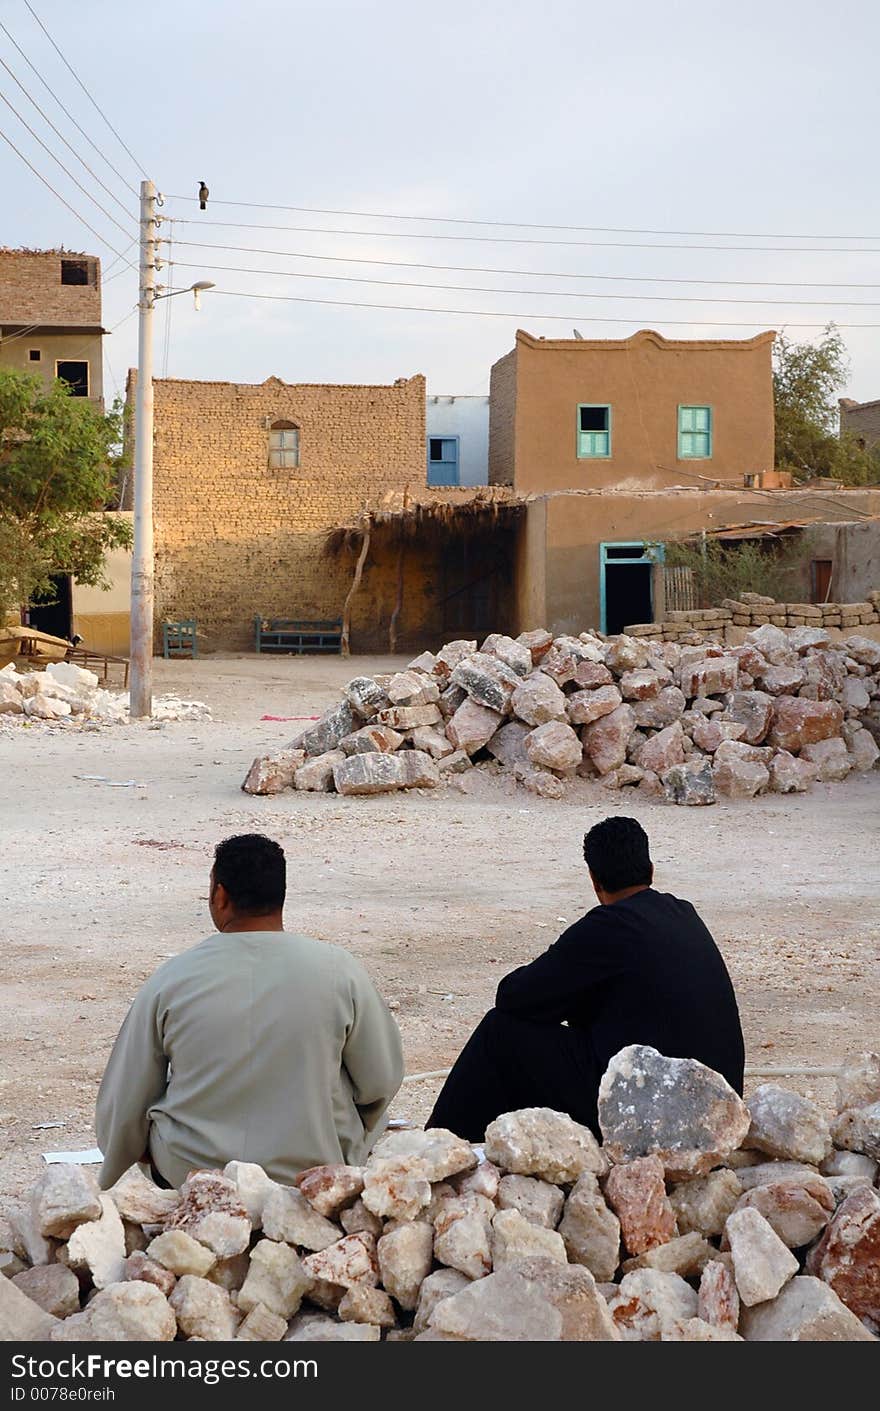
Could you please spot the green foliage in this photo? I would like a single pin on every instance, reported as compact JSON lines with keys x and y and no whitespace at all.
{"x":806,"y":380}
{"x":725,"y":570}
{"x":59,"y":459}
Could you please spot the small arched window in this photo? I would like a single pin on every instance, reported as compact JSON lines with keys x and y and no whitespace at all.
{"x":283,"y":445}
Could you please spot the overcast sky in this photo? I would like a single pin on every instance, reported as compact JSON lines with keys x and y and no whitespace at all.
{"x":759,"y":118}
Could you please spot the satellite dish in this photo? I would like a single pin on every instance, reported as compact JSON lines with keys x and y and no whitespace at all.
{"x":579,"y":336}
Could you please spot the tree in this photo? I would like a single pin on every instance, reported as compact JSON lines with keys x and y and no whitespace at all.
{"x":755,"y":566}
{"x":806,"y":380}
{"x":59,"y":459}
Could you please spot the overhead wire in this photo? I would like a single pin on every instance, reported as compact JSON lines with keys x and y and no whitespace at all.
{"x":85,"y":90}
{"x":537,"y":293}
{"x":103,"y":239}
{"x":67,"y":113}
{"x":528,"y":225}
{"x":531,"y":240}
{"x":532,"y":273}
{"x":505,"y":313}
{"x":60,"y":134}
{"x":94,"y":200}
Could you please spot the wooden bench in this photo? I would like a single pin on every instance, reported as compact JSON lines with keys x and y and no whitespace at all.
{"x":285,"y":634}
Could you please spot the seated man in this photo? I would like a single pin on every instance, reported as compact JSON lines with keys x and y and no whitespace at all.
{"x":640,"y":968}
{"x":257,"y":1044}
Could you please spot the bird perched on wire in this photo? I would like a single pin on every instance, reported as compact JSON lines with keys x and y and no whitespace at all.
{"x":203,"y":196}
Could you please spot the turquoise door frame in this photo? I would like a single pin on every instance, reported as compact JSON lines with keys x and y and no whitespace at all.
{"x":641,"y":553}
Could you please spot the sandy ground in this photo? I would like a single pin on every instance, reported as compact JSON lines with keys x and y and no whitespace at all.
{"x":438,"y":894}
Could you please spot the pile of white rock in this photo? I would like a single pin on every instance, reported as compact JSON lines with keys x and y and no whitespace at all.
{"x":685,"y":723}
{"x":66,"y":692}
{"x":699,"y":1218}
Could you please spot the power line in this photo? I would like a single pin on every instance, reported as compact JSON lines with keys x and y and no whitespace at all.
{"x":67,"y":113}
{"x":519,"y":240}
{"x":102,"y":238}
{"x":70,"y":68}
{"x":71,"y":148}
{"x":537,"y":293}
{"x":534,"y":273}
{"x":530,"y":225}
{"x":66,"y":170}
{"x":499,"y":313}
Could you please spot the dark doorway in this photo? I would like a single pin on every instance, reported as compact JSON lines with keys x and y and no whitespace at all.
{"x":475,"y":583}
{"x":53,"y":612}
{"x":820,"y":579}
{"x":627,"y":595}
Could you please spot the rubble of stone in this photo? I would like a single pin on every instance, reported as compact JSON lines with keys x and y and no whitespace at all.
{"x":70,"y":695}
{"x":689,"y":721}
{"x":699,"y":1217}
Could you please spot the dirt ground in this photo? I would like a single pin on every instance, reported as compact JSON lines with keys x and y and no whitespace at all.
{"x":439,"y":894}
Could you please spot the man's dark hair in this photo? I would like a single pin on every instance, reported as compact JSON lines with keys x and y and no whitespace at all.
{"x":253,"y":871}
{"x":616,"y":852}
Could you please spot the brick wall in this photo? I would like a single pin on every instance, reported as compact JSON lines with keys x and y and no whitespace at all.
{"x":861,"y":419}
{"x":235,"y":537}
{"x":31,"y":290}
{"x":502,"y":420}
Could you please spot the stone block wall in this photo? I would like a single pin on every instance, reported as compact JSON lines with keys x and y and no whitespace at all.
{"x":235,"y":536}
{"x":755,"y":611}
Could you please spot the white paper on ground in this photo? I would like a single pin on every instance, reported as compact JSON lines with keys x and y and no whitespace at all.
{"x":75,"y":1158}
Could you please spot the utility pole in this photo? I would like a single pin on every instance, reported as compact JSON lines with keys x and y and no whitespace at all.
{"x":142,"y":560}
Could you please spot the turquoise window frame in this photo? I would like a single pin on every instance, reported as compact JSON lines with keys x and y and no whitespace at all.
{"x":593,"y":455}
{"x":643,"y":551}
{"x":694,"y":431}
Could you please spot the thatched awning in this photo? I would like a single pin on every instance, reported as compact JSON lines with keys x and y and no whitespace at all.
{"x":405,"y":519}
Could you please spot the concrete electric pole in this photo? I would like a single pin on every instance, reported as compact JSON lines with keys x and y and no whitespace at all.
{"x":142,"y":559}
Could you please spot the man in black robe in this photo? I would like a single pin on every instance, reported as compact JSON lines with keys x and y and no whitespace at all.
{"x":639,"y":968}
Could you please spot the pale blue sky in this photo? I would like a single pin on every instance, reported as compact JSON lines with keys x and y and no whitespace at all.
{"x":759,"y":117}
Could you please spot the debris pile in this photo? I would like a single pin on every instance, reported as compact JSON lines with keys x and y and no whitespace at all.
{"x":687,"y":722}
{"x":66,"y":692}
{"x":700,"y":1218}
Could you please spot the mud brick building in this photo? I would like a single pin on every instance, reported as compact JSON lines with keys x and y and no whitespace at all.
{"x":50,"y":317}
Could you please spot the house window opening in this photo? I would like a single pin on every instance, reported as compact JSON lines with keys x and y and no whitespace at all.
{"x":76,"y":375}
{"x":694,"y":433}
{"x":594,"y":431}
{"x":76,"y":272}
{"x":284,"y":446}
{"x":34,"y":355}
{"x":443,"y":461}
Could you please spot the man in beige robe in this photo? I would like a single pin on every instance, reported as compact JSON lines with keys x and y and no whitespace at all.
{"x":258,"y":1044}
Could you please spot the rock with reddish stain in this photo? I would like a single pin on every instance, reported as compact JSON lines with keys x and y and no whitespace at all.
{"x":351,"y":1260}
{"x":718,"y":1300}
{"x":212,"y":1212}
{"x":796,"y":1211}
{"x":272,"y":774}
{"x":590,"y":674}
{"x":583,"y":707}
{"x":514,"y":654}
{"x":605,"y":741}
{"x":538,"y":642}
{"x":328,"y":1189}
{"x":709,"y":734}
{"x":789,"y":774}
{"x":472,"y":726}
{"x":636,"y":1193}
{"x":798,"y":722}
{"x":662,"y":750}
{"x":140,"y":1266}
{"x":710,"y":677}
{"x":661,"y":710}
{"x":554,"y":746}
{"x":848,"y":1255}
{"x":648,"y":1303}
